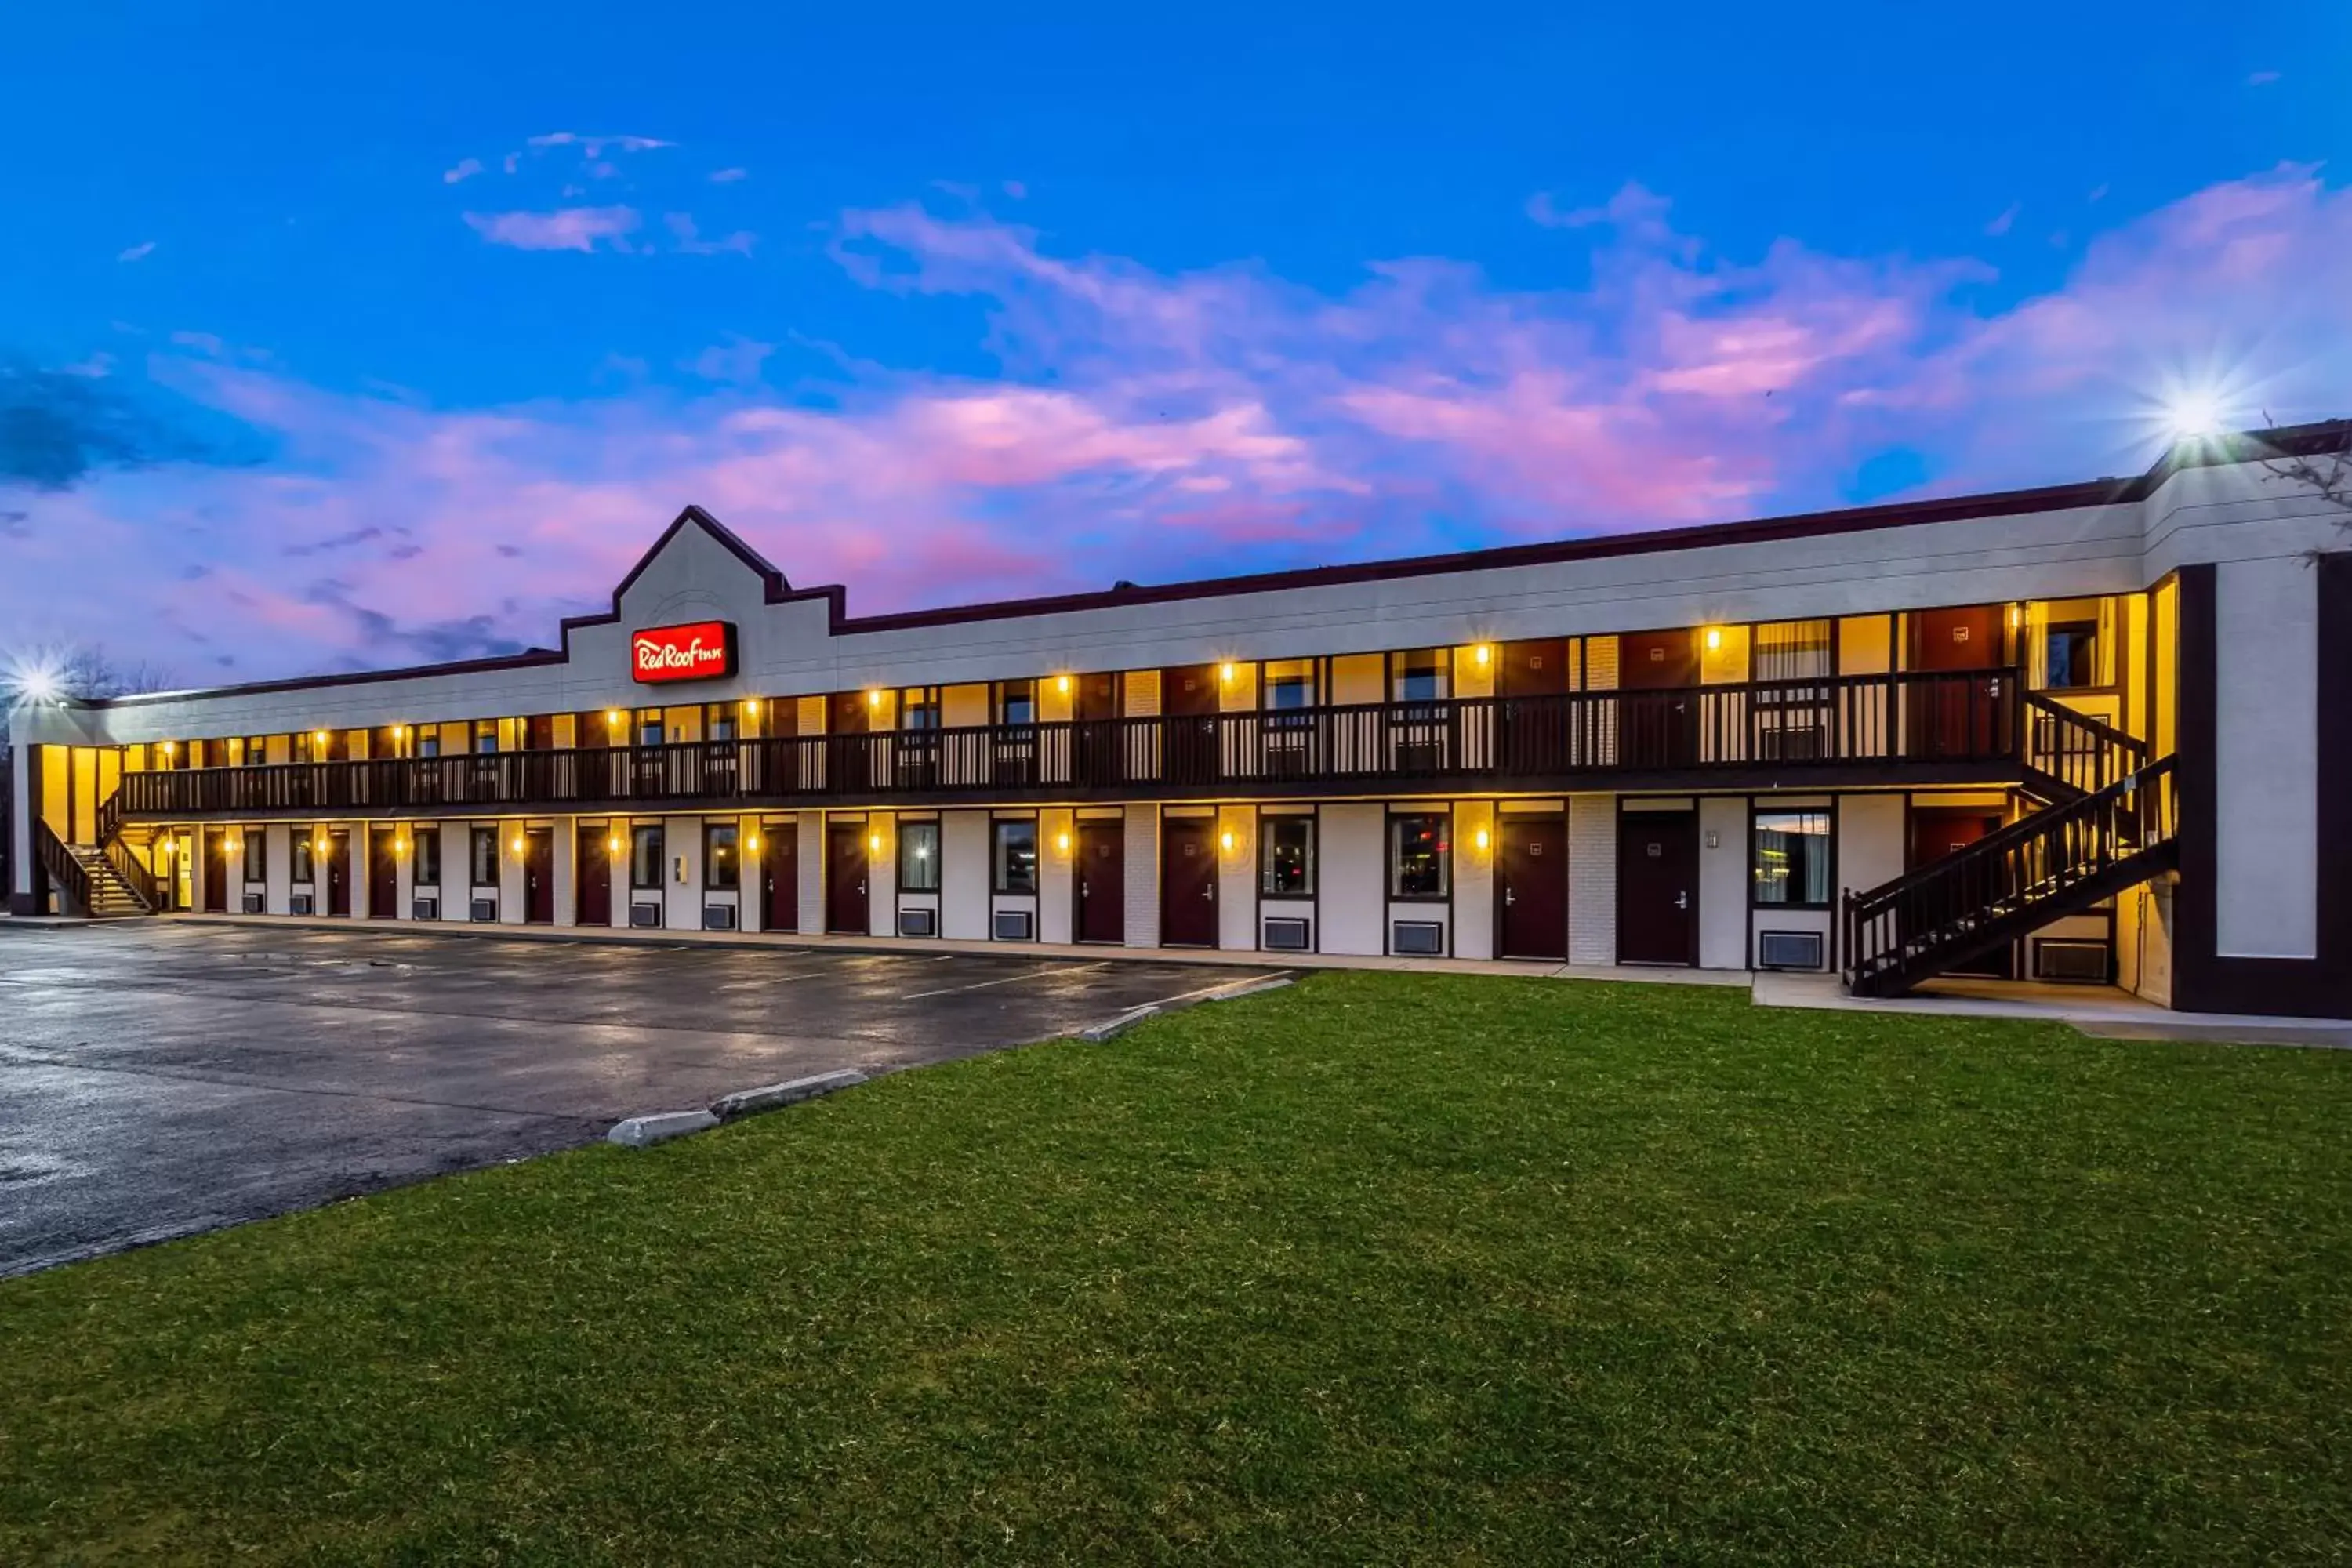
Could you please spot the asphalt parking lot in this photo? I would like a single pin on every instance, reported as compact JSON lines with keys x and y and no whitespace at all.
{"x":159,"y":1080}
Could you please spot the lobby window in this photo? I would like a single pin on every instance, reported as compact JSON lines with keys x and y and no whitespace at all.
{"x":1286,"y":852}
{"x":718,"y":722}
{"x":1016,"y":702}
{"x":1792,"y":859}
{"x":647,"y":727}
{"x":722,"y":868}
{"x":428,"y":856}
{"x":646,"y":855}
{"x":486,"y":857}
{"x":304,"y":864}
{"x":486,"y":736}
{"x":919,"y":856}
{"x":2070,"y":655}
{"x":256,"y":854}
{"x":1420,"y":853}
{"x":1015,"y":857}
{"x":1419,"y":676}
{"x":1792,"y":650}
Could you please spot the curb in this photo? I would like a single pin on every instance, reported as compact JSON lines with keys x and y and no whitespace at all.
{"x":1111,"y":1028}
{"x":661,"y":1126}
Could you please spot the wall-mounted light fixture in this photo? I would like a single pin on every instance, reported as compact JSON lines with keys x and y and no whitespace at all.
{"x":1061,"y":842}
{"x":752,"y":845}
{"x":1062,"y":684}
{"x":874,"y":700}
{"x":1226,"y":841}
{"x":1485,"y":654}
{"x":1714,"y":638}
{"x":1481,"y":838}
{"x":1225,"y":672}
{"x":874,"y":842}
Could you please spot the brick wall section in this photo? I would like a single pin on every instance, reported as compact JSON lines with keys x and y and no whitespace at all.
{"x":1600,"y":664}
{"x":1593,"y":879}
{"x":1142,"y":694}
{"x":1142,"y":875}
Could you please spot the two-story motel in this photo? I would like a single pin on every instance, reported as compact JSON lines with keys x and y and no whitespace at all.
{"x":2099,"y":732}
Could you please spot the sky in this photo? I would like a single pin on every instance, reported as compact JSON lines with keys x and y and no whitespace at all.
{"x":339,"y":338}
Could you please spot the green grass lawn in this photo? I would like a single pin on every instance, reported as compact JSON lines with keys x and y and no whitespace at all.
{"x":1378,"y":1268}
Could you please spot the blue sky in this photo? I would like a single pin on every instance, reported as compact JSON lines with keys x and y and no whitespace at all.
{"x":353,"y":338}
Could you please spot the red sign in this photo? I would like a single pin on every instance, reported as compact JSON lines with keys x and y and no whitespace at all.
{"x":704,"y":650}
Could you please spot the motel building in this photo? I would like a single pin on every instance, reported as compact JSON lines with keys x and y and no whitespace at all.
{"x":2097,"y":732}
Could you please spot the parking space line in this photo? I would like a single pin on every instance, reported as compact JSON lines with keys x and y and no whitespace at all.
{"x":1205,"y":990}
{"x":1004,"y":980}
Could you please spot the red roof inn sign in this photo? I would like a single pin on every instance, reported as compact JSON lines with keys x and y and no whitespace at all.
{"x":701,"y":650}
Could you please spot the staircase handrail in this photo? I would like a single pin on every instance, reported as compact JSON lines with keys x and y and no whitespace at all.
{"x":72,"y":878}
{"x":135,"y":876}
{"x":2105,"y":743}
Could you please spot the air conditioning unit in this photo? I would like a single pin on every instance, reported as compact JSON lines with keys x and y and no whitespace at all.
{"x":1287,"y":935}
{"x":646,"y":915}
{"x":424,"y":909}
{"x":2076,"y":960}
{"x":918,"y":922}
{"x":254,"y":903}
{"x":1422,"y":939}
{"x":486,"y":910}
{"x":1789,"y":950}
{"x":302,"y":904}
{"x":1015,"y":925}
{"x":718,"y":917}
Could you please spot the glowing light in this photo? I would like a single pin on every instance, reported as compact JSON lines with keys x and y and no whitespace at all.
{"x":750,"y":705}
{"x":2016,"y":616}
{"x":2192,"y":414}
{"x":1061,"y":842}
{"x":1225,"y":672}
{"x":1481,"y":838}
{"x":319,"y":734}
{"x":1227,"y":840}
{"x":1061,"y":683}
{"x":874,"y":842}
{"x":518,"y":844}
{"x":36,"y":683}
{"x":613,"y":845}
{"x":168,"y":748}
{"x":400,"y":845}
{"x":1714,"y":638}
{"x":399,"y":732}
{"x":874,"y":700}
{"x":1485,"y":655}
{"x":752,"y":844}
{"x":613,"y":719}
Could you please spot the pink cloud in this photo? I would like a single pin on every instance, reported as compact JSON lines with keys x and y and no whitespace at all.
{"x":1141,"y":414}
{"x":566,"y":228}
{"x":465,"y":169}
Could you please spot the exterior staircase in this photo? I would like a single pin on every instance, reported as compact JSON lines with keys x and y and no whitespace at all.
{"x":2059,"y":862}
{"x":105,"y":881}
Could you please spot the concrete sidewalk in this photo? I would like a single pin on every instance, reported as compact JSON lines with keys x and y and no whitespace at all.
{"x":2101,"y":1011}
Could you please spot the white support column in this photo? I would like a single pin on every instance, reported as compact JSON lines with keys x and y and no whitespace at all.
{"x":1473,"y":879}
{"x":1592,"y":877}
{"x":1142,"y":851}
{"x":1057,"y":869}
{"x":567,"y":870}
{"x":812,"y":859}
{"x":1237,"y":878}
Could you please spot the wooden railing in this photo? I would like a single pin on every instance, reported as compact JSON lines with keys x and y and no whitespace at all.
{"x":2014,"y":880}
{"x":65,"y":873}
{"x":133,"y":872}
{"x":1771,"y":728}
{"x":2080,"y":754}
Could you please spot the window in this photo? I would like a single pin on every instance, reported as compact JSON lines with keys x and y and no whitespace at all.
{"x":1792,"y":650}
{"x":256,"y":854}
{"x":648,"y":727}
{"x":486,"y":857}
{"x":1016,"y":702}
{"x":718,"y":722}
{"x":919,"y":856}
{"x":428,"y":856}
{"x":722,"y":868}
{"x":646,"y":855}
{"x":918,"y":708}
{"x":1016,"y":857}
{"x":303,"y":868}
{"x":1419,"y":855}
{"x":486,"y":740}
{"x":1419,"y":676}
{"x":2070,"y":655}
{"x":302,"y":747}
{"x":257,"y":750}
{"x":1289,"y":685}
{"x":1286,"y":848}
{"x":429,"y":741}
{"x":1792,"y":859}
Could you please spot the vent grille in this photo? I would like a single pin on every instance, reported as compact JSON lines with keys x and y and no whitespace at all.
{"x":1789,"y":950}
{"x":302,"y":904}
{"x":1289,"y":935}
{"x":1422,"y":939}
{"x":918,"y":922}
{"x":253,"y":904}
{"x":424,"y":909}
{"x":2076,"y":961}
{"x":718,"y":917}
{"x":646,"y":915}
{"x":1015,"y":925}
{"x":486,"y":910}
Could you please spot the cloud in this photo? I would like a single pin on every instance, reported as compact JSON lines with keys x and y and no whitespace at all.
{"x":138,"y":252}
{"x":566,"y":228}
{"x":61,"y":427}
{"x":1635,"y":210}
{"x":2000,"y":226}
{"x":1148,"y":423}
{"x":594,"y":146}
{"x":688,"y":242}
{"x":727,"y":176}
{"x":466,"y":168}
{"x":2262,"y":78}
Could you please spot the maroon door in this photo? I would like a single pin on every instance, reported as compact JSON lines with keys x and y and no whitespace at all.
{"x":1657,"y":887}
{"x":1102,"y":881}
{"x":539,"y":732}
{"x":1531,"y":680}
{"x":213,"y":846}
{"x":849,"y":755}
{"x":780,"y":877}
{"x":1658,"y":718}
{"x":1531,"y":870}
{"x":1189,"y":696}
{"x":845,"y":907}
{"x":593,"y":876}
{"x":539,"y":875}
{"x":1938,"y":831}
{"x":1100,"y":749}
{"x":1968,"y":714}
{"x":1187,"y":882}
{"x":339,"y":873}
{"x":383,"y":874}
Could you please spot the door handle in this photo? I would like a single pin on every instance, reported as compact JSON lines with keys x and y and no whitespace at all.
{"x":1210,"y":892}
{"x":1682,"y":900}
{"x":1510,"y":898}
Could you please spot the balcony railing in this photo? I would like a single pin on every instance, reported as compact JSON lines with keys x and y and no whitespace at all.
{"x":1766,"y":728}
